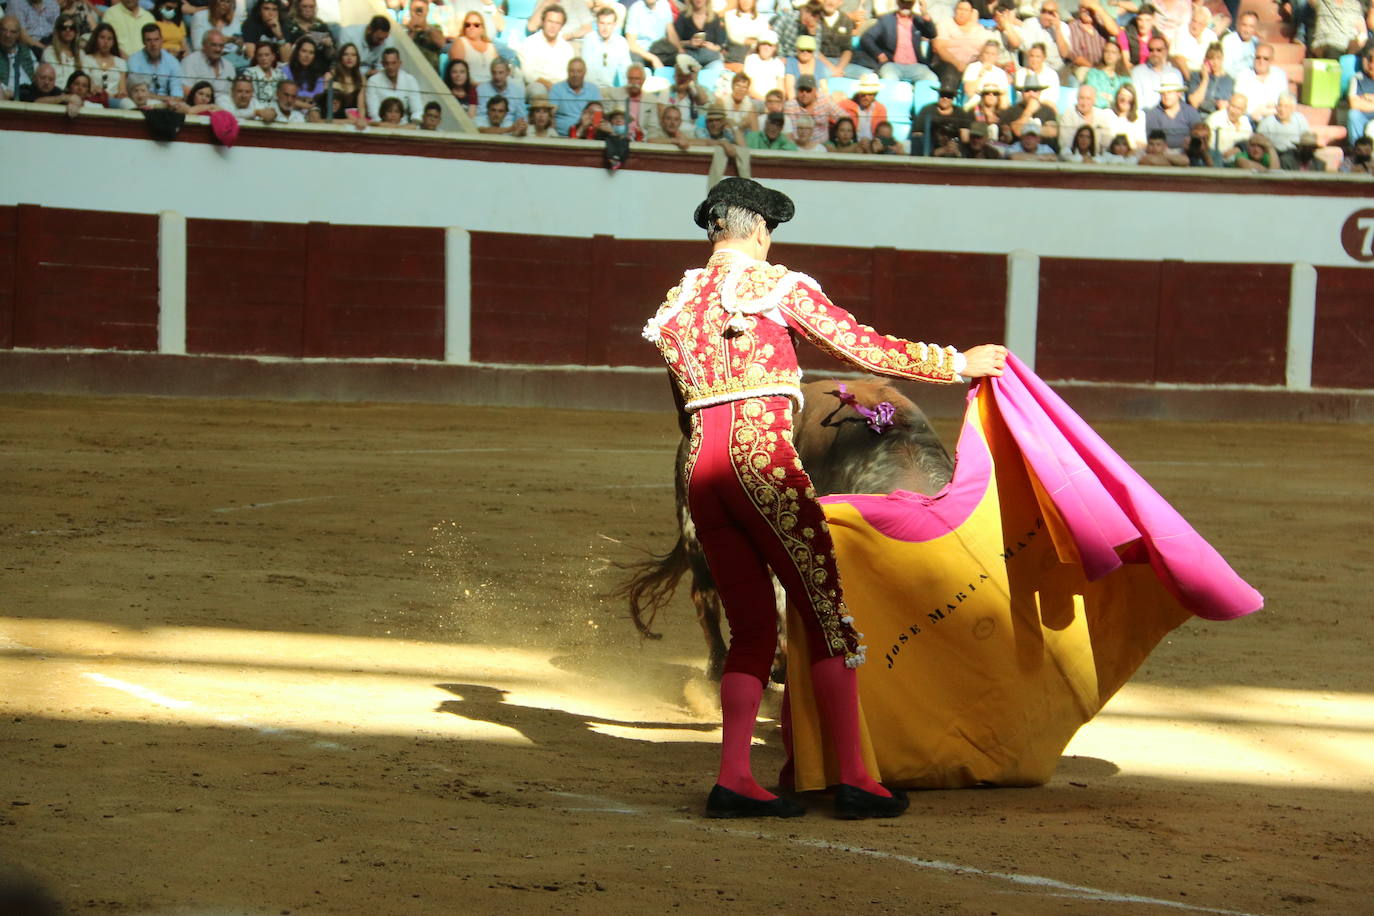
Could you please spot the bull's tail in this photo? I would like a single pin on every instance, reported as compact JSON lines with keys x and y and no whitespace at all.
{"x":653,"y":584}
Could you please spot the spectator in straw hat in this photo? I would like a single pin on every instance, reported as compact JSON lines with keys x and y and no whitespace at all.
{"x":541,"y":119}
{"x":727,"y":142}
{"x":864,"y":108}
{"x":1172,"y":115}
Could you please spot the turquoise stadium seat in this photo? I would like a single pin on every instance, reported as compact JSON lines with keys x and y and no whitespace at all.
{"x":843,"y":85}
{"x":1068,"y":98}
{"x":521,"y":9}
{"x":666,"y":73}
{"x":924,"y":92}
{"x":896,"y":96}
{"x":515,"y":32}
{"x":1349,"y":63}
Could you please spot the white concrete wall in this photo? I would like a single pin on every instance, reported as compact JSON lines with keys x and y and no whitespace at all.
{"x":200,"y":180}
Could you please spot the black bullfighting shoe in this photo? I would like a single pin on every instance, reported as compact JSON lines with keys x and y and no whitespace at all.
{"x":853,"y":803}
{"x":724,"y":803}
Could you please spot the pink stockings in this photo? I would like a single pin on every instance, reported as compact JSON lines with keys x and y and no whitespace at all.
{"x":754,"y":511}
{"x":837,"y":695}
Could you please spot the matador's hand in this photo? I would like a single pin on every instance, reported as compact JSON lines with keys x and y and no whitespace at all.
{"x":989,"y":359}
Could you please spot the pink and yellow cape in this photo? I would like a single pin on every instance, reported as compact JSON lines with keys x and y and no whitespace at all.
{"x":1003,"y":612}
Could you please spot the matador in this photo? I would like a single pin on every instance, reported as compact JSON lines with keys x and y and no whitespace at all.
{"x":727,"y":333}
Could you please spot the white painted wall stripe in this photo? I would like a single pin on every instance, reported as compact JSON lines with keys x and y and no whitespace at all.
{"x":1023,"y":303}
{"x":457,"y":295}
{"x":171,"y":283}
{"x":1302,"y":324}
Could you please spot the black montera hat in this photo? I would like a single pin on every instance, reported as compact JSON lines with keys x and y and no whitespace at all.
{"x":774,"y":206}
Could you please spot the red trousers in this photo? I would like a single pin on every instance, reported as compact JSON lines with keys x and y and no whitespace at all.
{"x":755,"y":510}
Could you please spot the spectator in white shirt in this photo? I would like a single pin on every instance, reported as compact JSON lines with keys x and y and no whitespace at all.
{"x":393,"y":83}
{"x":241,"y":104}
{"x":284,"y":108}
{"x":1264,"y":84}
{"x":1036,"y":66}
{"x":544,"y":55}
{"x":1230,"y":127}
{"x":1044,"y":29}
{"x":1191,"y":48}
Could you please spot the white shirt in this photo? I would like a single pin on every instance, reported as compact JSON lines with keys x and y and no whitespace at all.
{"x":1033,"y":33}
{"x":1147,"y":81}
{"x":1262,"y":92}
{"x":540,"y":60}
{"x":406,"y":89}
{"x":1193,"y":50}
{"x":1225,"y":134}
{"x":1046,"y":77}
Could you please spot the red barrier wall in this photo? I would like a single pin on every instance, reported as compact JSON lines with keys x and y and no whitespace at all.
{"x":9,"y":267}
{"x":552,"y":301}
{"x":585,"y":301}
{"x":286,"y":289}
{"x":1345,"y":328}
{"x":1170,"y":321}
{"x":81,"y":278}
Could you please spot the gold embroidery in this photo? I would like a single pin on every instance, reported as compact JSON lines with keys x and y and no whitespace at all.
{"x":754,"y":457}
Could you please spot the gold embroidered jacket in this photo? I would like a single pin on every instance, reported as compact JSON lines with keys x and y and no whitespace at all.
{"x":727,"y":332}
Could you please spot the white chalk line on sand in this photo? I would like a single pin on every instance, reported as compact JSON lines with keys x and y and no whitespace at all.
{"x":1049,"y":887}
{"x":279,"y":502}
{"x":157,"y":699}
{"x":1052,"y":886}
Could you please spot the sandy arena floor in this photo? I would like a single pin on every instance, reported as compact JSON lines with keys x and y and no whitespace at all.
{"x":262,"y":658}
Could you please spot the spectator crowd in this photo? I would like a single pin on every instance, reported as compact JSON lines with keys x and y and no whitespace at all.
{"x":1116,"y":82}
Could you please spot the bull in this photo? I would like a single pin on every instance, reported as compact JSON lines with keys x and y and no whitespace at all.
{"x":859,"y":436}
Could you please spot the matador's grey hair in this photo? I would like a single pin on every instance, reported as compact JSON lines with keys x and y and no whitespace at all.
{"x":728,"y":222}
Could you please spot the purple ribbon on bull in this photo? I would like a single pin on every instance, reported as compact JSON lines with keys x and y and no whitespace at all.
{"x":880,"y":417}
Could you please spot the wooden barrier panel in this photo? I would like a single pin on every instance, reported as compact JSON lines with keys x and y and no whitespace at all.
{"x":1098,"y":320}
{"x":1223,"y":323}
{"x":245,"y":287}
{"x":634,"y":276}
{"x":287,"y":289}
{"x":9,"y":268}
{"x":84,"y":278}
{"x":530,"y":299}
{"x":1345,"y":328}
{"x":1152,"y":321}
{"x":382,"y":292}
